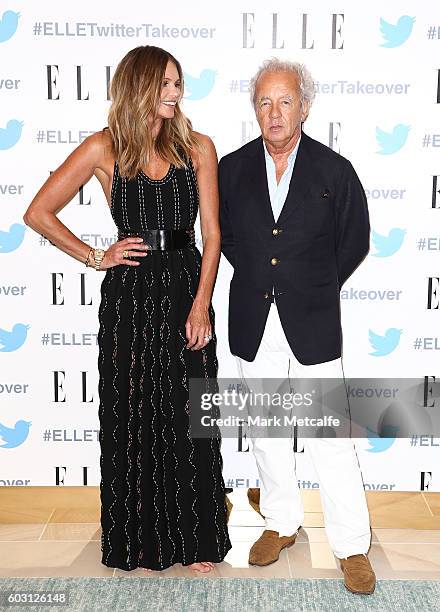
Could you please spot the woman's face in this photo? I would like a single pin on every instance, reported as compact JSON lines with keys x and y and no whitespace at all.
{"x":171,"y":92}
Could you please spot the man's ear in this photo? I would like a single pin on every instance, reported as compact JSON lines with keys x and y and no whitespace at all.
{"x":305,"y":111}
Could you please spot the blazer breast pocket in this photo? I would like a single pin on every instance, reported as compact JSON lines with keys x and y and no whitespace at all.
{"x":320,"y":212}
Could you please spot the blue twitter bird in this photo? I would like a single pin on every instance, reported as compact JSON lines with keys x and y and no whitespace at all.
{"x":200,"y":87}
{"x":8,"y":25}
{"x":396,"y":35}
{"x":14,"y":436}
{"x":377,"y":444}
{"x":388,"y":245}
{"x":9,"y":241}
{"x":384,"y":345}
{"x":13,"y":340}
{"x":10,"y":135}
{"x":391,"y":142}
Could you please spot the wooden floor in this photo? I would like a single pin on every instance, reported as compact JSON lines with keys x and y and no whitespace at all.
{"x":55,"y":531}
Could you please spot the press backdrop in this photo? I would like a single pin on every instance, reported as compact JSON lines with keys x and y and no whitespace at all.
{"x":376,"y":67}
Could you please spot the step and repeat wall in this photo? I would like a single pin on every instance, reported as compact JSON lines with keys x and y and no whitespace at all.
{"x":377,"y":73}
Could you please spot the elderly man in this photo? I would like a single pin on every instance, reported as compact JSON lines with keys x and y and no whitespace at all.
{"x":295,"y":226}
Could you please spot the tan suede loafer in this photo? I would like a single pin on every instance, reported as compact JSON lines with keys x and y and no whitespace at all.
{"x":254,"y":499}
{"x":359,"y":576}
{"x":267,"y":548}
{"x":229,"y":506}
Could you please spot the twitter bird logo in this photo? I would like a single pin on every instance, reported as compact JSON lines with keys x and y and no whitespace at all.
{"x":200,"y":87}
{"x":13,"y":340}
{"x":9,"y":241}
{"x":377,"y":444}
{"x":14,"y":436}
{"x":388,"y":245}
{"x":8,"y":25}
{"x":384,"y":345}
{"x":396,"y":35}
{"x":391,"y":142}
{"x":10,"y":135}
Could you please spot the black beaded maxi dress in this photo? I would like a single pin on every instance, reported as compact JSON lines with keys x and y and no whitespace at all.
{"x":162,"y":492}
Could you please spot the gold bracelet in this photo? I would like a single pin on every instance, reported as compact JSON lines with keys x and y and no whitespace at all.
{"x":87,"y":261}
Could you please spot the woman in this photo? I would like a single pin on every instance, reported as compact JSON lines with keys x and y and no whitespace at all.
{"x":162,"y":492}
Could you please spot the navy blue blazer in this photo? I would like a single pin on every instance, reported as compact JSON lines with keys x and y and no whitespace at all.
{"x":319,"y":239}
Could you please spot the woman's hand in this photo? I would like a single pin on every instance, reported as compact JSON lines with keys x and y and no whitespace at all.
{"x":205,"y":163}
{"x":197,"y":327}
{"x":130,"y":247}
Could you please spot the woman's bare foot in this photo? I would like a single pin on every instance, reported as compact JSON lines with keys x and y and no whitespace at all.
{"x":204,"y":566}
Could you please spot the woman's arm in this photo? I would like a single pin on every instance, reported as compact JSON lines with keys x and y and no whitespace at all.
{"x":91,"y":157}
{"x":205,"y":164}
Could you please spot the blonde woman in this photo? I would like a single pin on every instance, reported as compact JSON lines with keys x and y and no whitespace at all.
{"x":162,"y":492}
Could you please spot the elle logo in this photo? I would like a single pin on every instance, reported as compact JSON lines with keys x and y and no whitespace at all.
{"x":275,"y":22}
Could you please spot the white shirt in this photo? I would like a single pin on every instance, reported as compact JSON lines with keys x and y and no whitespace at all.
{"x":278,"y":191}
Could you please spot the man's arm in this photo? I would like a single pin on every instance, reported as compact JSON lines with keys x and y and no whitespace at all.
{"x":227,"y":237}
{"x":352,"y":224}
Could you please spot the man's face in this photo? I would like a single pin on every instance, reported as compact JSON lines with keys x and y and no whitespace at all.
{"x":278,"y":107}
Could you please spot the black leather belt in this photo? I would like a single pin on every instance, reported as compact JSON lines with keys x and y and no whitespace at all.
{"x":163,"y":239}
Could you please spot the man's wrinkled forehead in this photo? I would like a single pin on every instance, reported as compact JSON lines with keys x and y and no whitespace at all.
{"x":278,"y":83}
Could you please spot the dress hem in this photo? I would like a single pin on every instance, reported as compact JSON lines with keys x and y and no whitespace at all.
{"x":159,"y":569}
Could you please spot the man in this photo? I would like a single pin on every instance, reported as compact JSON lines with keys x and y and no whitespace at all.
{"x":295,"y":226}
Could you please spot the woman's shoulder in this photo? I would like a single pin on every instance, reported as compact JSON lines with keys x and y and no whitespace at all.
{"x":98,"y":144}
{"x":203,"y":139}
{"x":97,"y":151}
{"x":204,"y":149}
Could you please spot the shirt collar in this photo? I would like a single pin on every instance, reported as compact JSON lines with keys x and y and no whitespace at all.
{"x":291,"y":157}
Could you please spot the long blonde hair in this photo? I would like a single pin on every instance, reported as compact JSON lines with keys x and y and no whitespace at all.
{"x":135,"y":93}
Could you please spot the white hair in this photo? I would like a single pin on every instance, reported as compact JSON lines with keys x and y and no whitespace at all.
{"x":306,"y":83}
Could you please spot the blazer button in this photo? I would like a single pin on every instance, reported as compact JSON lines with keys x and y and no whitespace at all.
{"x":275,"y":231}
{"x":274,"y":261}
{"x":266,"y":295}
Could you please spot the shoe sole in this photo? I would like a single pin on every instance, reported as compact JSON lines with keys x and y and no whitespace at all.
{"x":288,"y":545}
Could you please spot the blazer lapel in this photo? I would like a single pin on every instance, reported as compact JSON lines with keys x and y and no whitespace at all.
{"x":257,"y":183}
{"x":300,"y":183}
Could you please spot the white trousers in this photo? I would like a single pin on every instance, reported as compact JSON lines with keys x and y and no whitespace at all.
{"x":335,"y":461}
